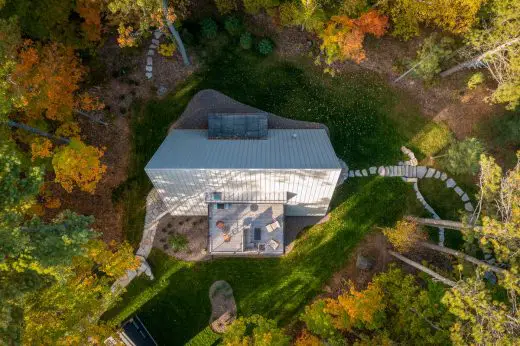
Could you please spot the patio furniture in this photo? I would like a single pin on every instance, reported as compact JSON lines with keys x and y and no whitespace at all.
{"x":272,"y":226}
{"x":274,"y":244}
{"x":261,"y":247}
{"x":227,"y":237}
{"x":220,"y":225}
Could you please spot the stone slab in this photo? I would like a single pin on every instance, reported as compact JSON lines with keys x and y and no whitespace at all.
{"x":151,"y":52}
{"x":469,"y":207}
{"x":459,"y":191}
{"x":437,"y":175}
{"x":421,"y":171}
{"x":381,"y":171}
{"x":364,"y":172}
{"x":373,"y":170}
{"x":155,"y":41}
{"x":444,"y":176}
{"x":430,"y":172}
{"x":148,"y":75}
{"x":465,"y":197}
{"x":357,"y":173}
{"x":450,"y":183}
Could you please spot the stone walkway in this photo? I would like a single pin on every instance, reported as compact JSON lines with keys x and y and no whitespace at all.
{"x":411,"y":173}
{"x":151,"y":52}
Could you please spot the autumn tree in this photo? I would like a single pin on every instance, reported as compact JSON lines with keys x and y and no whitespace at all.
{"x":358,"y":309}
{"x":78,"y":165}
{"x":47,"y":78}
{"x":454,"y":16}
{"x":254,"y":330}
{"x":135,"y":18}
{"x":343,"y":37}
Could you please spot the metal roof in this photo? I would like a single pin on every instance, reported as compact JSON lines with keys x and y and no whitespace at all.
{"x":237,"y":125}
{"x":282,"y":149}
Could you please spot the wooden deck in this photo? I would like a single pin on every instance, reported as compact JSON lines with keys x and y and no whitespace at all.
{"x":240,"y":220}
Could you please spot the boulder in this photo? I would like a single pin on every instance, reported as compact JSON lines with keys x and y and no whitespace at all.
{"x":364,"y":263}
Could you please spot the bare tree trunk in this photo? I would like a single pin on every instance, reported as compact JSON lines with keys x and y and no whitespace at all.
{"x":175,"y":34}
{"x":442,"y":223}
{"x":90,"y":117}
{"x":38,"y":132}
{"x":407,"y":72}
{"x":422,"y":268}
{"x":464,"y":256}
{"x":475,"y":62}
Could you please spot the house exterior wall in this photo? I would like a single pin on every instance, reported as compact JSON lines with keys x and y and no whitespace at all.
{"x":184,"y":190}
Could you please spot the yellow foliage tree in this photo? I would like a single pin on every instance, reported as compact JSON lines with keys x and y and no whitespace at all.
{"x":78,"y":164}
{"x":357,"y":308}
{"x":41,"y":148}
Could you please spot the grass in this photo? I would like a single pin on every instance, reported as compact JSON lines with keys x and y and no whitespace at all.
{"x":368,"y":122}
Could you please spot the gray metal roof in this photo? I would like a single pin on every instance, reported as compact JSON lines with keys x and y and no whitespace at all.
{"x":282,"y":149}
{"x":237,"y":125}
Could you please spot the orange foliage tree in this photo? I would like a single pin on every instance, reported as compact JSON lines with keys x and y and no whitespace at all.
{"x":47,"y":78}
{"x":358,"y":309}
{"x":78,"y":164}
{"x":90,"y":12}
{"x":343,"y":37}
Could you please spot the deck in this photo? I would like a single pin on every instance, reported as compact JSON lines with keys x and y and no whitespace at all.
{"x":245,"y":229}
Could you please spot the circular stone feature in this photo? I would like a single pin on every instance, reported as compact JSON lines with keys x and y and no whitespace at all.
{"x":254,"y":207}
{"x":223,"y":306}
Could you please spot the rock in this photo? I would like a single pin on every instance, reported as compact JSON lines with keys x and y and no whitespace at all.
{"x":459,"y":191}
{"x":437,"y":175}
{"x":149,"y":61}
{"x":155,"y":41}
{"x":430,"y":172}
{"x":162,"y":90}
{"x":490,"y":277}
{"x":223,"y":306}
{"x":421,"y":171}
{"x":381,"y":171}
{"x":149,"y":68}
{"x":444,"y":176}
{"x":151,"y":52}
{"x":469,"y":207}
{"x":465,"y":198}
{"x":157,"y":34}
{"x":364,"y":172}
{"x":450,"y":183}
{"x":364,"y":263}
{"x":373,"y":170}
{"x":148,"y":75}
{"x":357,"y":173}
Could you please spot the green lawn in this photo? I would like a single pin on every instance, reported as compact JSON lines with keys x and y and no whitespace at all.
{"x":368,"y":123}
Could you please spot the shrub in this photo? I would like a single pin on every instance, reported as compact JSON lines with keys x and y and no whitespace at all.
{"x":246,"y":40}
{"x":208,"y":28}
{"x":404,"y":236}
{"x":265,"y":46}
{"x":475,"y":80}
{"x":226,"y":6}
{"x":463,"y":157}
{"x":178,"y":242}
{"x":167,"y":49}
{"x":233,"y":26}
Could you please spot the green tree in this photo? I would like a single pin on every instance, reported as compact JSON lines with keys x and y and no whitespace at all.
{"x":318,"y":320}
{"x":307,"y":14}
{"x":255,"y":330}
{"x":495,"y":45}
{"x":430,"y":57}
{"x":463,"y":156}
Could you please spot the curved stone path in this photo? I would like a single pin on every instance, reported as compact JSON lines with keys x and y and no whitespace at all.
{"x":411,"y":173}
{"x":151,"y":52}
